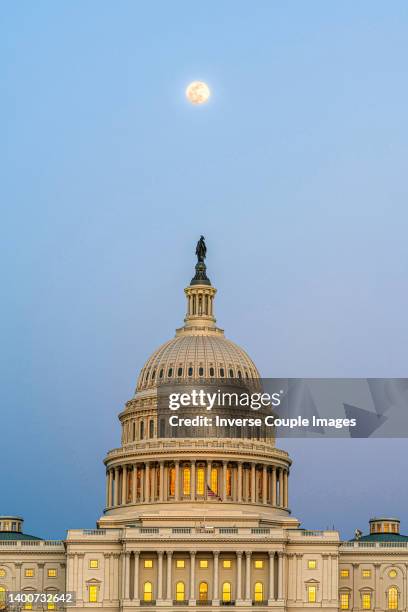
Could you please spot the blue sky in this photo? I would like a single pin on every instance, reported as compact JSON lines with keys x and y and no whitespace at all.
{"x":296,"y":174}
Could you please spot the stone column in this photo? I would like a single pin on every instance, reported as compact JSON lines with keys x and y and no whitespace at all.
{"x":127,"y":575}
{"x":299,"y":591}
{"x":192,"y":597}
{"x":273,"y":485}
{"x":124,"y":485}
{"x":216,"y":595}
{"x":280,"y":575}
{"x":239,"y":575}
{"x":17,"y":567}
{"x":239,"y":482}
{"x":136,"y":577}
{"x":106,"y":580}
{"x":377,"y":602}
{"x":248,"y":576}
{"x":264,"y":484}
{"x":115,"y":588}
{"x":271,"y":577}
{"x":80,"y":584}
{"x":285,"y":488}
{"x":116,"y":487}
{"x":160,"y":575}
{"x":334,"y":570}
{"x":224,"y":481}
{"x":253,"y":483}
{"x":147,"y":482}
{"x":134,"y":481}
{"x":161,"y":485}
{"x":209,"y":467}
{"x":177,"y":481}
{"x":123,"y":577}
{"x":169,"y":562}
{"x":325,"y":579}
{"x":193,"y":480}
{"x":107,"y":488}
{"x":153,"y":481}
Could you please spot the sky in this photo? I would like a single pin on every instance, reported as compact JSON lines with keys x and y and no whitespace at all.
{"x":295,"y":172}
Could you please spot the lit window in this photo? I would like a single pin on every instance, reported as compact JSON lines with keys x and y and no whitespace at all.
{"x":227,"y":563}
{"x":200,"y":481}
{"x":50,"y":605}
{"x":214,"y":480}
{"x":2,"y":573}
{"x":258,"y":564}
{"x":344,"y":573}
{"x":393,"y":598}
{"x":386,"y":527}
{"x":366,"y":573}
{"x":203,"y":564}
{"x":229,"y":482}
{"x":2,"y":598}
{"x":29,"y":573}
{"x":258,"y":591}
{"x":172,"y":481}
{"x":147,"y":591}
{"x":186,"y":481}
{"x":180,"y":591}
{"x":93,"y":563}
{"x":311,"y":594}
{"x":148,"y":563}
{"x":180,"y":563}
{"x":203,"y":591}
{"x":392,"y":573}
{"x":366,"y":601}
{"x":226,"y":591}
{"x":93,"y":593}
{"x":344,"y":601}
{"x":52,"y":573}
{"x":311,"y":564}
{"x":28,"y":606}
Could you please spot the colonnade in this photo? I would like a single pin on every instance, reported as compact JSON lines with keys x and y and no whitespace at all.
{"x":196,"y":480}
{"x":244,"y":586}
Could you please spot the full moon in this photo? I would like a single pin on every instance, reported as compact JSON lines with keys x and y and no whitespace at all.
{"x":198,"y":92}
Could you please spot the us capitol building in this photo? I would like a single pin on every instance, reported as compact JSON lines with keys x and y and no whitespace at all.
{"x":202,"y":522}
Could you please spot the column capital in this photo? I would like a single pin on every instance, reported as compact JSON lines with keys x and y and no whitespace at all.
{"x":239,"y":553}
{"x":271,"y":553}
{"x":281,"y":553}
{"x":193,"y":553}
{"x":216,"y":553}
{"x":248,"y":553}
{"x":136,"y":553}
{"x":299,"y":555}
{"x":160,"y":553}
{"x":169,"y":553}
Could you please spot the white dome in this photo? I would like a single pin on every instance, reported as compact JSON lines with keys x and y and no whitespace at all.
{"x":196,"y":356}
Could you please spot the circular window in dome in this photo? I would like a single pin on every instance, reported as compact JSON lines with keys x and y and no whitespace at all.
{"x":392,"y":573}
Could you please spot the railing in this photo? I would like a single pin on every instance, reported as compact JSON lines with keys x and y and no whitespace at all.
{"x":262,"y":602}
{"x":227,"y":603}
{"x":204,"y":602}
{"x":97,"y":532}
{"x":374,"y":544}
{"x":31,"y":543}
{"x":183,"y":602}
{"x":226,"y":530}
{"x":147,"y":530}
{"x":181,"y":530}
{"x":260,"y":530}
{"x":147,"y":603}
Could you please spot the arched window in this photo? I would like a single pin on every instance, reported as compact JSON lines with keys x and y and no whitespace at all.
{"x":141,"y":430}
{"x":200,"y":481}
{"x":151,"y":428}
{"x":201,"y":371}
{"x":172,"y":481}
{"x":231,"y":373}
{"x":2,"y":598}
{"x":186,"y":481}
{"x":134,"y":431}
{"x":170,"y":372}
{"x":214,"y":480}
{"x":258,"y":591}
{"x":162,"y":428}
{"x":154,"y":374}
{"x":203,"y":591}
{"x":190,"y":371}
{"x":147,"y":591}
{"x":161,"y":373}
{"x":222,"y":373}
{"x":226,"y":591}
{"x":239,"y":374}
{"x":393,"y":598}
{"x":180,"y":372}
{"x":211,"y":372}
{"x":180,"y":591}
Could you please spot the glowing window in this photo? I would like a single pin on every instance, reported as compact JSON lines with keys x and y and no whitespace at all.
{"x":2,"y":573}
{"x":386,"y":527}
{"x":258,"y":591}
{"x":52,"y":573}
{"x":2,"y":598}
{"x":258,"y":563}
{"x":227,"y":563}
{"x":226,"y":591}
{"x":311,"y":564}
{"x":51,"y":605}
{"x":29,"y":573}
{"x":214,"y":480}
{"x":228,"y":484}
{"x":200,"y":481}
{"x":393,"y":598}
{"x":28,"y":606}
{"x":203,"y":565}
{"x":93,"y":563}
{"x":344,"y":573}
{"x":180,"y":563}
{"x":147,"y":591}
{"x":93,"y":593}
{"x":311,"y":593}
{"x":203,"y":591}
{"x":344,"y":601}
{"x":172,"y":481}
{"x":366,"y":573}
{"x":366,"y":601}
{"x":180,"y":591}
{"x":148,"y":563}
{"x":392,"y":573}
{"x":186,"y":481}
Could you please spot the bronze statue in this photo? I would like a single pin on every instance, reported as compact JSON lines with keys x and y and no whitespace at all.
{"x":201,"y":250}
